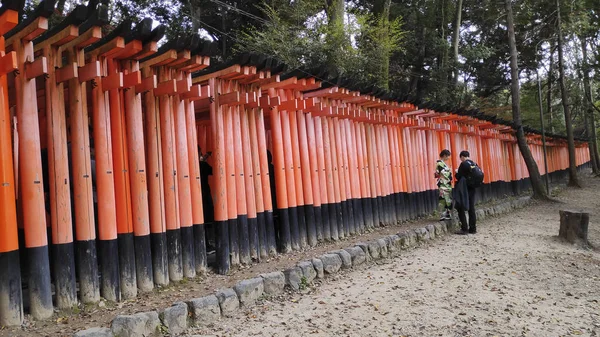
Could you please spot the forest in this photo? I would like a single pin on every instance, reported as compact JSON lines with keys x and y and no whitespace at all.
{"x":456,"y":53}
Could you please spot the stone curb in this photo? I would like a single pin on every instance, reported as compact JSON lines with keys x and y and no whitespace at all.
{"x":226,"y":302}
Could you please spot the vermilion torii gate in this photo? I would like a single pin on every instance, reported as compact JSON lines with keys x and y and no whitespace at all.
{"x":100,"y":139}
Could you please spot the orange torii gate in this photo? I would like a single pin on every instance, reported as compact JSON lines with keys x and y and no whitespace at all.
{"x":128,"y":129}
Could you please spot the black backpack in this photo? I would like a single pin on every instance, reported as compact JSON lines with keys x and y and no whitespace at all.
{"x":475,"y":177}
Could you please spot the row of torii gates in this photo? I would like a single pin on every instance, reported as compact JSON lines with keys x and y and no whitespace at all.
{"x":119,"y":208}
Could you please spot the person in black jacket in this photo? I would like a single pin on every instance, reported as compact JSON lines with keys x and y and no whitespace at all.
{"x":207,"y":200}
{"x":463,"y":171}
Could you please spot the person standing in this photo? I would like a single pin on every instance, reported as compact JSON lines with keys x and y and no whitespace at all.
{"x":443,"y":174}
{"x":472,"y":175}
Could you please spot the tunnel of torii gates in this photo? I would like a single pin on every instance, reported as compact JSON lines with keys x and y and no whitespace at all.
{"x":101,"y":139}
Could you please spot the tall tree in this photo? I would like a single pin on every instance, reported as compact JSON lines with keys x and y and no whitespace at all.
{"x":590,"y":124}
{"x":549,"y":93}
{"x":539,"y":192}
{"x":573,"y":179}
{"x":455,"y":41}
{"x":336,"y":38}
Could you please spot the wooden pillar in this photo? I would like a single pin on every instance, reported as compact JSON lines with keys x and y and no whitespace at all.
{"x":107,"y":217}
{"x":155,"y":183}
{"x":122,"y":191}
{"x":63,"y":255}
{"x":195,"y":189}
{"x":11,"y":298}
{"x":31,"y":185}
{"x":220,"y":179}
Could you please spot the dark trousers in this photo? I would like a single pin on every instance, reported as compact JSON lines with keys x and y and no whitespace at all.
{"x":472,"y":225}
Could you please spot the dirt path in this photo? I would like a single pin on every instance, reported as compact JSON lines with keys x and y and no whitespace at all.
{"x":514,"y":278}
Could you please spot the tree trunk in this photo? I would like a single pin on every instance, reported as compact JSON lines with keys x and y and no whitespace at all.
{"x":455,"y":41}
{"x":574,"y":227}
{"x":381,"y":10}
{"x":573,"y":180}
{"x":539,"y":191}
{"x":590,"y":124}
{"x":549,"y":95}
{"x":336,"y":39}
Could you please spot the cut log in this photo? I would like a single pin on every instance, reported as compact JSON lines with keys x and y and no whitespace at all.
{"x":574,"y":227}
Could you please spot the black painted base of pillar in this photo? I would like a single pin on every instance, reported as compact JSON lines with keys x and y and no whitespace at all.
{"x":188,"y":258}
{"x":11,"y":298}
{"x":200,"y":248}
{"x":108,"y":258}
{"x":143,"y":263}
{"x":222,"y":247}
{"x":174,"y":255}
{"x":160,"y":259}
{"x":127,"y":266}
{"x":63,"y":266}
{"x":87,"y":265}
{"x":40,"y":293}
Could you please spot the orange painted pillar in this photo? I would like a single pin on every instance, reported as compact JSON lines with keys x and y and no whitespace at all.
{"x":199,"y":241}
{"x":220,"y":198}
{"x":281,"y":182}
{"x":83,"y":196}
{"x":307,"y":179}
{"x":343,"y":231}
{"x":241,"y":202}
{"x":31,"y":187}
{"x":169,"y":166}
{"x":314,"y":174}
{"x":339,"y":212}
{"x":290,"y":180}
{"x":139,"y":189}
{"x":351,"y":224}
{"x":105,"y":188}
{"x":184,"y":184}
{"x":156,"y":198}
{"x":266,"y":183}
{"x":299,"y":183}
{"x":11,"y":298}
{"x":257,"y":175}
{"x":323,"y":178}
{"x":232,"y":209}
{"x":63,"y":255}
{"x":251,"y":204}
{"x":331,"y":190}
{"x":122,"y":192}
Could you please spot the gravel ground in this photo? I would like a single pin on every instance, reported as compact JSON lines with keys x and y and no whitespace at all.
{"x":513,"y":278}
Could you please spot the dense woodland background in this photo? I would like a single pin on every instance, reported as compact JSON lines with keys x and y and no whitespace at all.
{"x":451,"y":52}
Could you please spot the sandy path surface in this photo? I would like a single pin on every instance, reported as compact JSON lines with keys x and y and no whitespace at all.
{"x":514,"y":278}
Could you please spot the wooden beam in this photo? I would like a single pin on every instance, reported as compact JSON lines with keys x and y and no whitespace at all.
{"x":147,"y":50}
{"x":168,"y":87}
{"x":273,"y":85}
{"x":89,"y":71}
{"x":36,"y":68}
{"x":232,"y":98}
{"x":132,"y":79}
{"x":321,"y":92}
{"x":37,"y":27}
{"x":67,"y":34}
{"x":8,"y":21}
{"x":85,"y":39}
{"x":130,"y":49}
{"x":110,"y":48}
{"x":112,"y":81}
{"x":66,"y":73}
{"x":169,"y":55}
{"x":8,"y":63}
{"x":220,"y":73}
{"x":148,"y":83}
{"x":184,"y":85}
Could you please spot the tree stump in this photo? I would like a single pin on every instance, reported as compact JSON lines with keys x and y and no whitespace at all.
{"x":574,"y":227}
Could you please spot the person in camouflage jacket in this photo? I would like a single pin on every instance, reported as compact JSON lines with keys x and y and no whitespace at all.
{"x":443,"y":174}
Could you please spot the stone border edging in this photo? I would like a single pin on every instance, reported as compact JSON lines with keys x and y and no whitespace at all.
{"x":226,"y":302}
